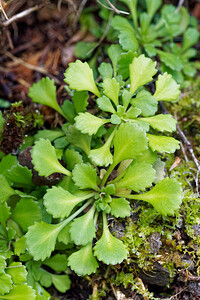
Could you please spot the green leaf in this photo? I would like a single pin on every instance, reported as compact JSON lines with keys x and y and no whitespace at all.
{"x":142,"y":71}
{"x":185,"y":18}
{"x":20,"y":176}
{"x":162,"y":122}
{"x":111,"y":89}
{"x":166,"y":196}
{"x":190,"y":37}
{"x":6,"y":163}
{"x":150,"y":50}
{"x":126,"y":98}
{"x":41,"y":239}
{"x":82,"y":229}
{"x":72,"y":158}
{"x":126,"y":144}
{"x":64,"y":235}
{"x":152,"y":6}
{"x":69,"y":110}
{"x":133,"y":113}
{"x":189,"y":70}
{"x":4,"y":104}
{"x":57,"y":262}
{"x":26,"y":213}
{"x":80,"y":101}
{"x":44,"y":92}
{"x":102,"y":156}
{"x":42,"y":275}
{"x":115,"y":119}
{"x":82,"y":48}
{"x":17,"y":272}
{"x":80,"y":77}
{"x":171,"y":60}
{"x":166,"y":88}
{"x":2,"y":264}
{"x":4,"y":213}
{"x":105,"y":70}
{"x":6,"y":190}
{"x":85,"y":176}
{"x":20,"y":292}
{"x":88,"y":123}
{"x":114,"y":52}
{"x":163,"y":144}
{"x":105,"y":104}
{"x":60,"y":143}
{"x":109,"y":249}
{"x":124,"y":61}
{"x":148,"y":156}
{"x":20,"y":245}
{"x":61,"y":282}
{"x":78,"y":139}
{"x":127,"y":38}
{"x":146,"y":103}
{"x":50,"y":135}
{"x":45,"y":160}
{"x":88,"y":263}
{"x":139,"y":176}
{"x":60,"y":203}
{"x":5,"y":284}
{"x":120,"y":208}
{"x":41,"y":294}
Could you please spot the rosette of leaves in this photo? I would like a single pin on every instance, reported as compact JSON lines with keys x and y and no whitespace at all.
{"x":21,"y":207}
{"x":123,"y":132}
{"x":168,"y":34}
{"x":13,"y":281}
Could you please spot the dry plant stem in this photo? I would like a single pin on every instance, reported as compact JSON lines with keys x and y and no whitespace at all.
{"x":3,"y":11}
{"x":184,"y":139}
{"x":189,"y":147}
{"x":175,"y":296}
{"x":104,"y":34}
{"x":83,"y":3}
{"x":140,"y":282}
{"x":180,"y":3}
{"x":22,"y":14}
{"x":112,"y":7}
{"x":41,"y":70}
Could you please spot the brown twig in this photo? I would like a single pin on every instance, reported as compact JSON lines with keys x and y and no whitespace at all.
{"x":22,"y":14}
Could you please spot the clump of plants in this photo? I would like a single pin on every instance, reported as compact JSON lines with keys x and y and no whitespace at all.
{"x":107,"y":152}
{"x":168,"y":35}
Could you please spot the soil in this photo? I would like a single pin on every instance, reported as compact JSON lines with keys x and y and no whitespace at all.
{"x":42,"y":44}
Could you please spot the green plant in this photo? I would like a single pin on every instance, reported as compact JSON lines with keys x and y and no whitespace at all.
{"x":108,"y":158}
{"x":169,"y":35}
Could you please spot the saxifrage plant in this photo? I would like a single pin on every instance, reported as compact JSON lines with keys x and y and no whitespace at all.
{"x":169,"y":34}
{"x":87,"y":194}
{"x":109,"y":158}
